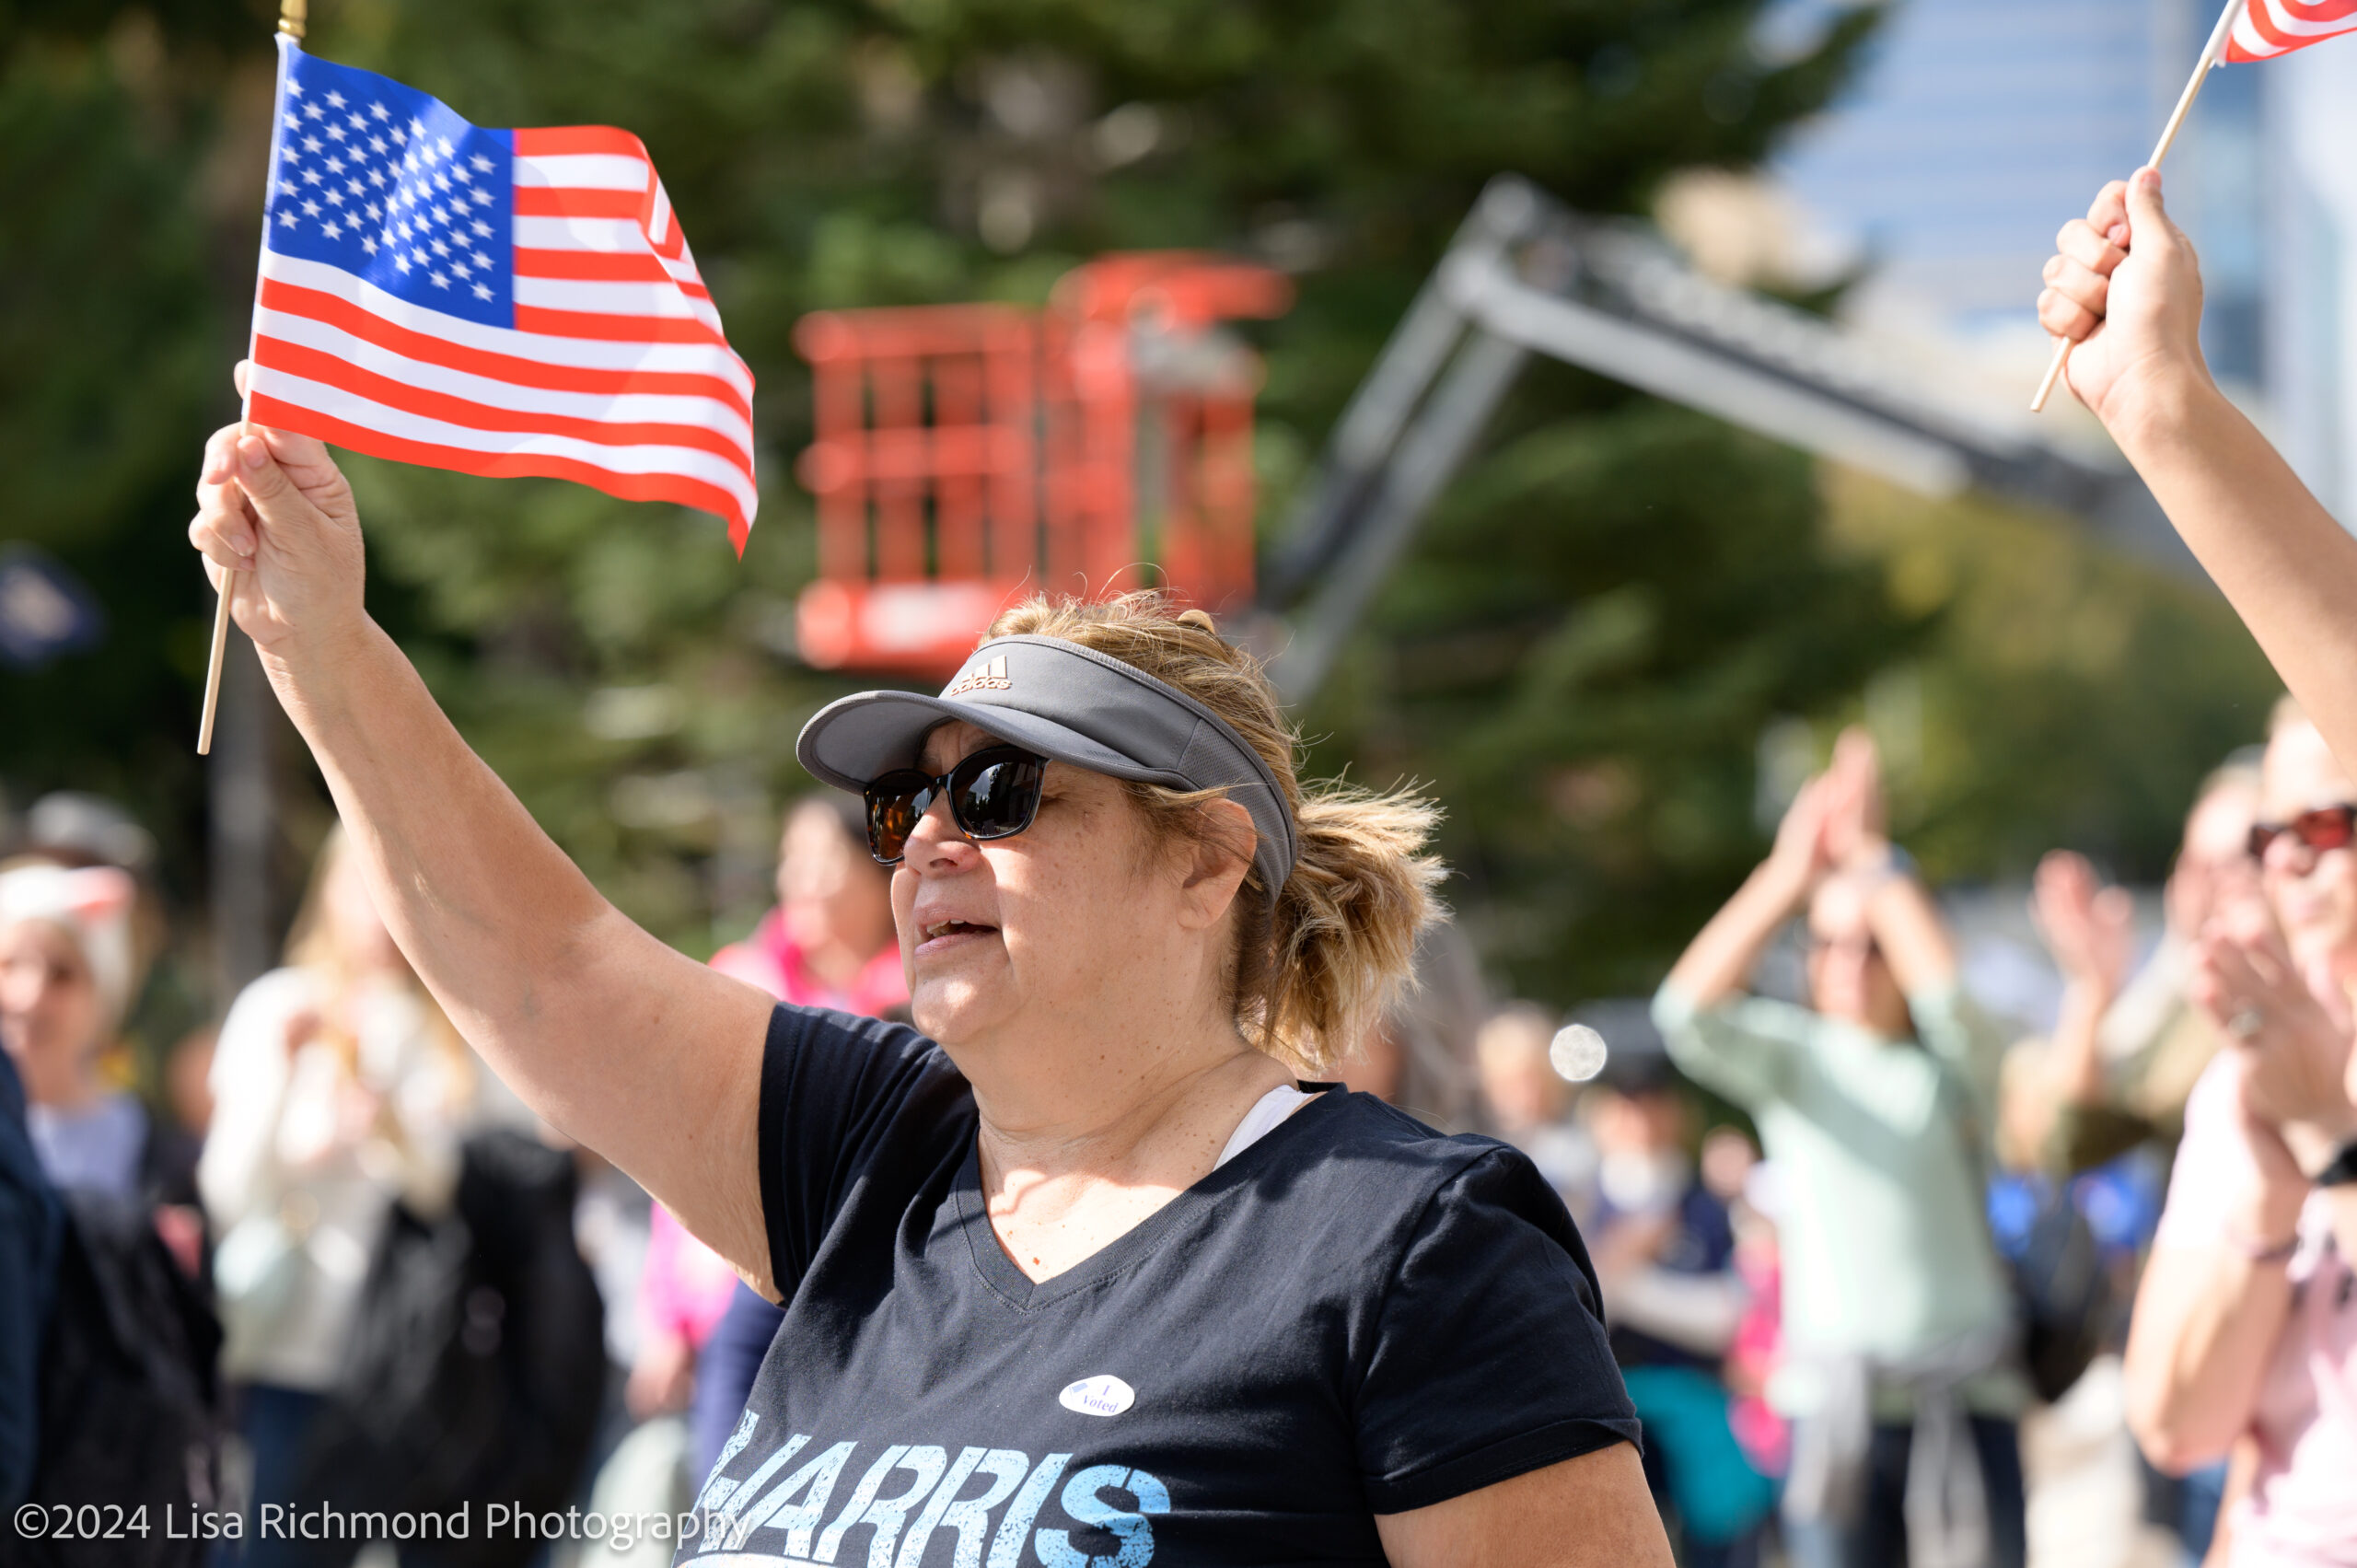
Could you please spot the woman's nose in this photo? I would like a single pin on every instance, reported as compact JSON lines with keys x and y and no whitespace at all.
{"x":2289,"y":856}
{"x":1848,"y":964}
{"x":935,"y":845}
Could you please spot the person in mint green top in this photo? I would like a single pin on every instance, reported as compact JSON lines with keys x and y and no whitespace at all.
{"x":1873,"y":1104}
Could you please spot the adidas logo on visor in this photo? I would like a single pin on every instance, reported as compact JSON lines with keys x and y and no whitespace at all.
{"x":989,"y":676}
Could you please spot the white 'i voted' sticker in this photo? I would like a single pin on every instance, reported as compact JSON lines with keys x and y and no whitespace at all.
{"x":1101,"y":1395}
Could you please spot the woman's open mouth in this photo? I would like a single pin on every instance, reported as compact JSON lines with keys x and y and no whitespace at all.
{"x":936,"y":936}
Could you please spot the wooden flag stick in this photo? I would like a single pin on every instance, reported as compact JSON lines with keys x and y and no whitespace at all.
{"x":2211,"y":55}
{"x":213,"y":667}
{"x":292,"y":16}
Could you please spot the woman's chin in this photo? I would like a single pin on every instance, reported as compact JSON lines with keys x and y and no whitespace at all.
{"x":952,"y":1012}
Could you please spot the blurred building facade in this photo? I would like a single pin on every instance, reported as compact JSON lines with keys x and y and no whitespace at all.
{"x":1979,"y":126}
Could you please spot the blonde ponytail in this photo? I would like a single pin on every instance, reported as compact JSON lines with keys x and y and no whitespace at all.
{"x":1310,"y":978}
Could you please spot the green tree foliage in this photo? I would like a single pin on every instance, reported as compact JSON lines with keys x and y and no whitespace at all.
{"x":2066,"y":695}
{"x":1607,"y":613}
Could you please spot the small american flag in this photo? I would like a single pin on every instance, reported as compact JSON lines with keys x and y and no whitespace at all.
{"x":2268,"y":28}
{"x":495,"y":302}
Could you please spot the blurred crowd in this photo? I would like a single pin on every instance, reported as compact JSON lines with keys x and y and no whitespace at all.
{"x":1889,"y":1283}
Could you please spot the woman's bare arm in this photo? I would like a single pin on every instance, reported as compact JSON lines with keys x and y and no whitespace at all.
{"x":2213,"y":1300}
{"x":2198,"y":1345}
{"x":1592,"y":1512}
{"x":2126,"y":284}
{"x":636,"y":1051}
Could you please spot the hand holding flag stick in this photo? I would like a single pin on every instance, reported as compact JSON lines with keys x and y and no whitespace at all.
{"x":2213,"y":55}
{"x":2247,"y":30}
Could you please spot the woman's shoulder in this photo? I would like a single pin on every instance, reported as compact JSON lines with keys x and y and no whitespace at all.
{"x":842,"y":1099}
{"x":1479,"y":1348}
{"x":833,"y":1037}
{"x":1367,"y":1126}
{"x":825,"y":1074}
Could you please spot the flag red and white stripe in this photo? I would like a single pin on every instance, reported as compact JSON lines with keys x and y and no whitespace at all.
{"x":2268,"y":28}
{"x":580,"y":344}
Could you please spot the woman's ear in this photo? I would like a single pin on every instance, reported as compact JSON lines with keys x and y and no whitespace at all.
{"x":1221,"y":858}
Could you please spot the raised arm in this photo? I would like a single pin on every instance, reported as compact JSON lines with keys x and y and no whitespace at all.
{"x":636,"y":1051}
{"x":2126,"y":287}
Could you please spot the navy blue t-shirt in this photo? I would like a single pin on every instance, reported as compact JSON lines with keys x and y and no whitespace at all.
{"x":1355,"y":1316}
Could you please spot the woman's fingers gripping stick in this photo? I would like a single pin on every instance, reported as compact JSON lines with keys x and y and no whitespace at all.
{"x":221,"y":506}
{"x":2080,"y":283}
{"x":2089,"y":247}
{"x":275,"y":498}
{"x":215,"y":540}
{"x":2063,"y":316}
{"x":305,"y":458}
{"x":2145,"y":214}
{"x":2109,"y":208}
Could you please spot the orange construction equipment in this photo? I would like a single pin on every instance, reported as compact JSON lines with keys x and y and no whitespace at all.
{"x":967,"y":455}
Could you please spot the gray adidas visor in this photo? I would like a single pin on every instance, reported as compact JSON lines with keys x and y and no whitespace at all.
{"x":1069,"y":703}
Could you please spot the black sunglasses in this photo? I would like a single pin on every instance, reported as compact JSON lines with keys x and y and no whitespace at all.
{"x":995,"y":793}
{"x":2328,"y":827}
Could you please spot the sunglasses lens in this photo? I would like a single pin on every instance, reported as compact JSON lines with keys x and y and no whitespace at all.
{"x":2333,"y":827}
{"x":994,"y":794}
{"x":895,"y":802}
{"x":2329,"y":829}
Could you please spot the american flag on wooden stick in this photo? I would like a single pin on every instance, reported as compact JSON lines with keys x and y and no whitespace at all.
{"x":2268,"y":28}
{"x":495,"y":302}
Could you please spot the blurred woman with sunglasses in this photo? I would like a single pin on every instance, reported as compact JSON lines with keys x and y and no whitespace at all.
{"x":1870,"y":1101}
{"x":2245,"y":1326}
{"x":1081,"y":1272}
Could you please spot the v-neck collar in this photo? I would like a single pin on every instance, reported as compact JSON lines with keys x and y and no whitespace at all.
{"x":1021,"y":1292}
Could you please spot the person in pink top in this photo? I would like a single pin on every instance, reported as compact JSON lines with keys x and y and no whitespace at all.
{"x":829,"y":942}
{"x":2246,"y":1327}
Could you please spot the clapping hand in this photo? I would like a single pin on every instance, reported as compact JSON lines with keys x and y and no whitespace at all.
{"x":1799,"y":859}
{"x":2090,"y":929}
{"x":1855,"y":817}
{"x":1835,"y":821}
{"x":2299,"y":1075}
